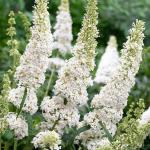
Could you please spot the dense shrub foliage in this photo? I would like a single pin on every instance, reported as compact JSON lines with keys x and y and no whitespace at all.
{"x":67,"y":81}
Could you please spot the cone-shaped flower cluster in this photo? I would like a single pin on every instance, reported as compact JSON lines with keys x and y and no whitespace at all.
{"x":12,"y":42}
{"x":86,"y":42}
{"x":108,"y":63}
{"x":109,"y":104}
{"x":34,"y":61}
{"x":74,"y":77}
{"x":63,"y":28}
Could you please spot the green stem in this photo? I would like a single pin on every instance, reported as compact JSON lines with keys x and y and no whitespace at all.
{"x":14,"y":62}
{"x":55,"y":123}
{"x":50,"y":79}
{"x":79,"y":148}
{"x":13,"y":65}
{"x":49,"y":82}
{"x":0,"y":142}
{"x":22,"y":102}
{"x":15,"y":144}
{"x":13,"y":69}
{"x":109,"y":136}
{"x":82,"y":129}
{"x":74,"y":148}
{"x":6,"y":146}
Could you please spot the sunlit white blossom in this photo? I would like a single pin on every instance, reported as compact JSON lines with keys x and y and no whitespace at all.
{"x":63,"y":29}
{"x":109,"y":62}
{"x":47,"y":139}
{"x":18,"y":125}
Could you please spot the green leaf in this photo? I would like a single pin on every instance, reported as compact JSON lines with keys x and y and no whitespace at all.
{"x":82,"y":129}
{"x":110,"y":138}
{"x":22,"y":102}
{"x":8,"y":135}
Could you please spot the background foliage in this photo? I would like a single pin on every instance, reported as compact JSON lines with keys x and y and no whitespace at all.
{"x":115,"y":18}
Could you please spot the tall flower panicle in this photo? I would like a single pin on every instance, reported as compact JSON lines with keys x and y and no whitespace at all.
{"x":124,"y":78}
{"x":63,"y":29}
{"x":4,"y":95}
{"x":109,"y":104}
{"x":34,"y":62}
{"x":74,"y":78}
{"x":13,"y":42}
{"x":84,"y":49}
{"x":109,"y":62}
{"x":26,"y":24}
{"x":4,"y":105}
{"x":47,"y":139}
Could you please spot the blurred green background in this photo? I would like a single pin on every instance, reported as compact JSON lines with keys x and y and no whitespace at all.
{"x":115,"y":18}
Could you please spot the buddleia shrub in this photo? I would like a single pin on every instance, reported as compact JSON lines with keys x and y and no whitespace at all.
{"x":50,"y":97}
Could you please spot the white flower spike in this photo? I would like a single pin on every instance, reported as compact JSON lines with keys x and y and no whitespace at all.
{"x":30,"y":73}
{"x":109,"y":103}
{"x":63,"y":29}
{"x":109,"y":62}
